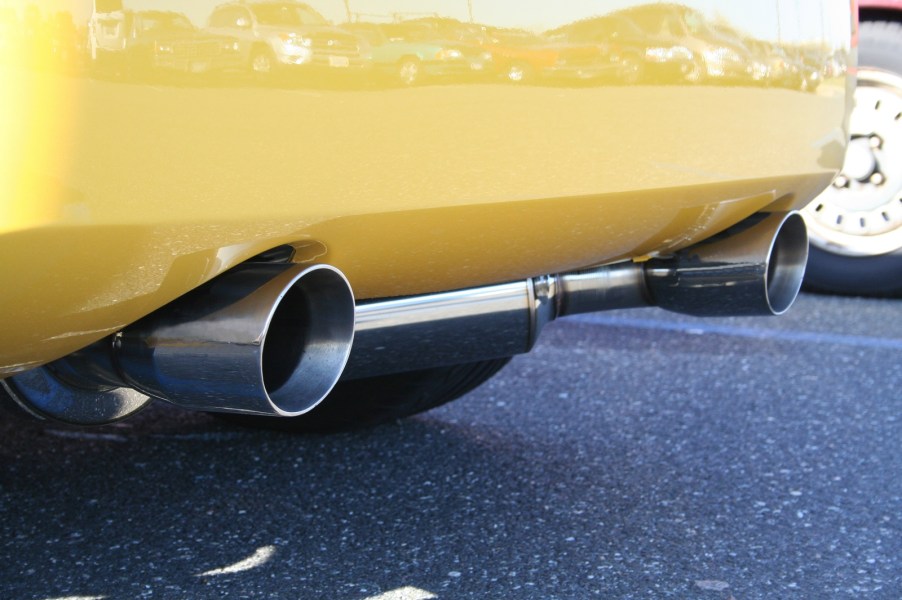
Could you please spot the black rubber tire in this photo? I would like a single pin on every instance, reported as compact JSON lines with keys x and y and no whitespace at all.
{"x":852,"y":275}
{"x":631,"y":70}
{"x":696,"y":73}
{"x":880,"y":45}
{"x":374,"y":400}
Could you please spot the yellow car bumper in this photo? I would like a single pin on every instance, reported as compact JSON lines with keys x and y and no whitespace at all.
{"x":120,"y":194}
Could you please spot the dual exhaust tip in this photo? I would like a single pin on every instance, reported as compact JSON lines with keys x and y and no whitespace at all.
{"x":265,"y":339}
{"x":273,"y":339}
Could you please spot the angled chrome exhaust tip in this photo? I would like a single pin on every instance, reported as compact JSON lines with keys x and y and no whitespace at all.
{"x":263,"y":339}
{"x":266,"y":339}
{"x":754,"y":268}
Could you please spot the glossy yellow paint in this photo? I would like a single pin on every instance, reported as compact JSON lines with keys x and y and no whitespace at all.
{"x":132,"y":173}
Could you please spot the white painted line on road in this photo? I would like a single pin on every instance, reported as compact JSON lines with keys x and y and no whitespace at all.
{"x":712,"y":584}
{"x":259,"y":558}
{"x":213,"y":436}
{"x":81,"y":435}
{"x":783,"y":335}
{"x":404,"y":593}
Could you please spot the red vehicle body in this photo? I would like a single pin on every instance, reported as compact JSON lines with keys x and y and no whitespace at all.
{"x":890,"y":4}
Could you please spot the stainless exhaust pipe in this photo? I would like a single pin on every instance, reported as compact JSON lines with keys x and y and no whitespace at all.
{"x":262,"y":339}
{"x":273,"y":339}
{"x":754,"y":268}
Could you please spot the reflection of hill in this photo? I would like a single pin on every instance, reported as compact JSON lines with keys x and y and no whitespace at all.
{"x":513,"y":37}
{"x":436,"y":28}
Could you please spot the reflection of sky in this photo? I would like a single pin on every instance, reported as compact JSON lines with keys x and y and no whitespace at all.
{"x":754,"y":18}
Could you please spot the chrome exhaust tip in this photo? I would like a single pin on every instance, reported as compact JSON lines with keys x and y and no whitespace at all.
{"x":755,"y":268}
{"x":263,"y":339}
{"x":786,"y":267}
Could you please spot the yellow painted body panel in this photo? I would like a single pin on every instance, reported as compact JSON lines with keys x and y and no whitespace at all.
{"x":127,"y":180}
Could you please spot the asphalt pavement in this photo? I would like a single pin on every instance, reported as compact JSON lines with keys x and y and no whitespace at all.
{"x":633,"y":454}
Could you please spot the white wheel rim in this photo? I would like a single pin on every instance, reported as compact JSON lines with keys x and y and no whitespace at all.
{"x":861,"y":213}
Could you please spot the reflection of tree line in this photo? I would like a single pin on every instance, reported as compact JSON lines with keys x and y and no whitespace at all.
{"x":651,"y":43}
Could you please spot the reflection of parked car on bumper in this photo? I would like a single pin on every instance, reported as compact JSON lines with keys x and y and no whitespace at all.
{"x":199,"y":55}
{"x":407,"y":54}
{"x":576,"y":62}
{"x":552,"y":57}
{"x":680,"y":38}
{"x":139,"y":43}
{"x":272,"y":35}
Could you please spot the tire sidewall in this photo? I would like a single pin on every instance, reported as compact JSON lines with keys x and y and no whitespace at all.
{"x":880,"y":46}
{"x":870,"y":275}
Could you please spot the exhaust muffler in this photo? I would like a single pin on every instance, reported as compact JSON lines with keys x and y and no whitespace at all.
{"x":754,"y":268}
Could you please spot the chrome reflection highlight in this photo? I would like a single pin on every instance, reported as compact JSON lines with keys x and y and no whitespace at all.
{"x":754,"y":268}
{"x":42,"y":395}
